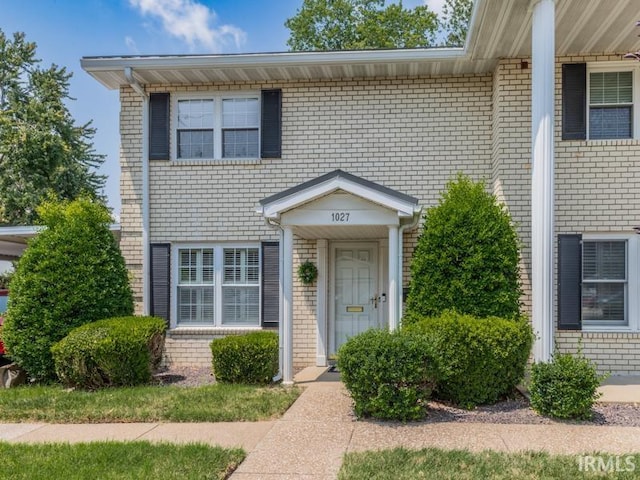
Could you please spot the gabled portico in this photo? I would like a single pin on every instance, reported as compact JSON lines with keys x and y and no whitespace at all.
{"x":358,"y":226}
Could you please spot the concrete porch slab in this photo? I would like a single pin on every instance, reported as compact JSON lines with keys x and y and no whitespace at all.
{"x":620,"y":389}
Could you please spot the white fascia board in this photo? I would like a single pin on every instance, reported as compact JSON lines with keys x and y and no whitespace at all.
{"x":284,"y":59}
{"x":26,"y":231}
{"x":273,"y":210}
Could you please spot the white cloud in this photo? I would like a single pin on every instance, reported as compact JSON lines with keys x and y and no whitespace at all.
{"x":191,"y":22}
{"x":435,"y":5}
{"x":131,"y":45}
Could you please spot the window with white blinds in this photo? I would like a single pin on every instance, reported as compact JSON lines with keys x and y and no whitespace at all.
{"x":604,"y":283}
{"x":241,"y":286}
{"x":218,"y":286}
{"x":610,"y":105}
{"x":196,"y":283}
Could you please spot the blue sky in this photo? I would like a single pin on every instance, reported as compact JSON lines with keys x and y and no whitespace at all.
{"x":66,"y":30}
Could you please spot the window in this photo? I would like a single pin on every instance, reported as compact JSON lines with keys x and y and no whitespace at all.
{"x":241,"y":289}
{"x":610,"y":105}
{"x":218,"y":127}
{"x":218,"y":286}
{"x":604,"y":283}
{"x":195,"y":286}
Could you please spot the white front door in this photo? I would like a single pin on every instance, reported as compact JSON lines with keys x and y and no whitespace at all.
{"x":355,"y":291}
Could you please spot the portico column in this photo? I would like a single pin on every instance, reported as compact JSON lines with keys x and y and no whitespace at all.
{"x":392,"y":294}
{"x":542,"y":148}
{"x":287,"y":306}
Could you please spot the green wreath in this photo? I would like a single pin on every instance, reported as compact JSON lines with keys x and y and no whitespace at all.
{"x":307,"y":272}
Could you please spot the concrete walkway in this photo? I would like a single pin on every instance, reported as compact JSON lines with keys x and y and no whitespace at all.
{"x":310,"y":440}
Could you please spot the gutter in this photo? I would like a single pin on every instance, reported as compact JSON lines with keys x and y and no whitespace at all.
{"x":139,"y":89}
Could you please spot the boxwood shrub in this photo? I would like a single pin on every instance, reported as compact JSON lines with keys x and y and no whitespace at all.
{"x":389,"y":375}
{"x":250,"y":358}
{"x":112,"y":352}
{"x":478,"y":360}
{"x":566,"y":387}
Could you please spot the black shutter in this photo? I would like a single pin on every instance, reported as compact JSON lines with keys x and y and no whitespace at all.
{"x":569,"y":282}
{"x":271,"y":124}
{"x":574,"y":101}
{"x":160,"y":280}
{"x":270,"y":284}
{"x":159,"y":126}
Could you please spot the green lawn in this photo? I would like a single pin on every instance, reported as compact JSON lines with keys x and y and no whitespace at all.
{"x":438,"y":464}
{"x":212,"y":403}
{"x":117,"y":461}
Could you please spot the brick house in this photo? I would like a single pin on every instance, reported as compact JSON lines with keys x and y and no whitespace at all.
{"x":238,"y":168}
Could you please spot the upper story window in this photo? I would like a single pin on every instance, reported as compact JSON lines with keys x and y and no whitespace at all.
{"x":600,"y":101}
{"x":610,"y":105}
{"x":217,"y":127}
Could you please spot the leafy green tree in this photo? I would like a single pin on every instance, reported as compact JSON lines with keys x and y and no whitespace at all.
{"x":43,"y":153}
{"x":455,"y":21}
{"x":71,"y":273}
{"x":467,"y":256}
{"x":360,"y":24}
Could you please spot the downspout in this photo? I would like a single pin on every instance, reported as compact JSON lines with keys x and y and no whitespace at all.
{"x":139,"y":89}
{"x":276,"y":226}
{"x":407,"y":226}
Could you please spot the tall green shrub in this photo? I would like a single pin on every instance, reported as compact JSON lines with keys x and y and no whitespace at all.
{"x":71,"y":273}
{"x":467,"y":256}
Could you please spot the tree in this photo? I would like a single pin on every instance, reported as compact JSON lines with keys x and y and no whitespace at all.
{"x":467,"y":256}
{"x":71,"y":273}
{"x":360,"y":24}
{"x":455,"y":21}
{"x":42,"y":152}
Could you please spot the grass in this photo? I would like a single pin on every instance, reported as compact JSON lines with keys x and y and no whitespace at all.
{"x":116,"y":460}
{"x":211,"y":403}
{"x":438,"y":464}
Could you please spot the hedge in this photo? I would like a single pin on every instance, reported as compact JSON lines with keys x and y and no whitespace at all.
{"x":111,"y":352}
{"x":251,"y":358}
{"x":389,"y":375}
{"x":478,"y":360}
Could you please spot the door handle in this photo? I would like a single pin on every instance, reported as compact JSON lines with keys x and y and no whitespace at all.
{"x":375,"y":299}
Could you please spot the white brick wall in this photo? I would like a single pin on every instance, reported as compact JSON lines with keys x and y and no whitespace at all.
{"x":410,"y":134}
{"x":595,"y":183}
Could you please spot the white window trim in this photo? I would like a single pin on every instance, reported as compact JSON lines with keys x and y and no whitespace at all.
{"x":218,"y":270}
{"x":217,"y":98}
{"x":633,"y":281}
{"x":628,"y":66}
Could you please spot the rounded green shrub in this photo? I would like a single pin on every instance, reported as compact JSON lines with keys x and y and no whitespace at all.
{"x":250,"y":358}
{"x":111,"y":352}
{"x":566,"y":387}
{"x":478,"y":360}
{"x":389,"y":375}
{"x":71,"y":273}
{"x":467,"y":255}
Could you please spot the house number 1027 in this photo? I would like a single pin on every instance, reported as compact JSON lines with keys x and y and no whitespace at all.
{"x":340,"y":217}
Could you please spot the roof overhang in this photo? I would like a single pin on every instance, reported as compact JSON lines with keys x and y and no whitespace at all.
{"x":14,"y":240}
{"x":498,"y":29}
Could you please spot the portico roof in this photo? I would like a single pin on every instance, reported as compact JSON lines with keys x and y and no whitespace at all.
{"x":498,"y":29}
{"x":338,"y":180}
